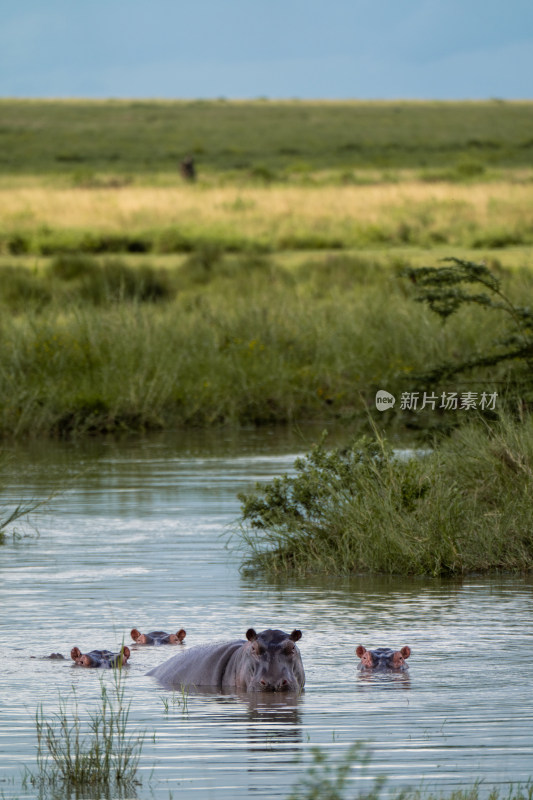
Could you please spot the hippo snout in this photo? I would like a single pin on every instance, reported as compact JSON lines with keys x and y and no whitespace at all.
{"x":280,"y":685}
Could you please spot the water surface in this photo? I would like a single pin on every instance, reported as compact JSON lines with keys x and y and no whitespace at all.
{"x":138,"y":538}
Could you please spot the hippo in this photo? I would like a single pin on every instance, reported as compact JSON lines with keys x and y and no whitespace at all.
{"x":52,"y":657}
{"x":383,"y":658}
{"x":264,"y":662}
{"x":100,"y":658}
{"x":158,"y":637}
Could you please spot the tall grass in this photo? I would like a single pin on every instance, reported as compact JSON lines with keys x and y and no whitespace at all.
{"x":464,"y":507}
{"x":93,"y":751}
{"x":236,"y":341}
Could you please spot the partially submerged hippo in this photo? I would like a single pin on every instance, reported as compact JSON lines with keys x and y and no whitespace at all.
{"x":158,"y":637}
{"x":267,"y":661}
{"x":383,"y":658}
{"x":100,"y":658}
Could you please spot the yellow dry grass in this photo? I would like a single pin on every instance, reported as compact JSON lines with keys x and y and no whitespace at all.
{"x":256,"y":211}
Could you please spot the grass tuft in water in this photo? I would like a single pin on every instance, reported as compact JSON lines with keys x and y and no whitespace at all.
{"x":459,"y":509}
{"x":97,"y":752}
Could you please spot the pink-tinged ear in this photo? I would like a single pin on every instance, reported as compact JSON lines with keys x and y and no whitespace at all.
{"x":126,"y":653}
{"x":406,"y":651}
{"x":251,"y":635}
{"x":75,"y":653}
{"x":135,"y":634}
{"x":296,"y":635}
{"x":360,"y":651}
{"x":181,"y":634}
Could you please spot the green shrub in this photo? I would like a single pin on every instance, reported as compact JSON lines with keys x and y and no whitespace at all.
{"x":361,"y":508}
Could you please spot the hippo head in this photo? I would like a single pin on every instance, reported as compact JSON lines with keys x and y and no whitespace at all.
{"x":158,"y":637}
{"x":273,"y":662}
{"x":100,"y":658}
{"x":383,"y":658}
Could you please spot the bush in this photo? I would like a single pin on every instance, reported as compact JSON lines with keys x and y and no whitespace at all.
{"x":364,"y":509}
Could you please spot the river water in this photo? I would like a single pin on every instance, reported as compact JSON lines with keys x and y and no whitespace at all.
{"x":138,"y":538}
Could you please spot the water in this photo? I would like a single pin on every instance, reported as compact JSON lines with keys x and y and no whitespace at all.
{"x":138,"y":538}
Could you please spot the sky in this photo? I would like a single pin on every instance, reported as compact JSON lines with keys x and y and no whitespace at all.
{"x":323,"y":49}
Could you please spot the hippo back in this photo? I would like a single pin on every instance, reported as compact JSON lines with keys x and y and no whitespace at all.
{"x":204,"y":665}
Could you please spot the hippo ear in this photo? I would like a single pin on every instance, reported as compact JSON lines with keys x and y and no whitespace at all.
{"x":181,"y":634}
{"x":134,"y":633}
{"x":125,"y":651}
{"x":296,"y":635}
{"x":251,"y":635}
{"x":360,"y":651}
{"x":75,"y":653}
{"x":406,"y":651}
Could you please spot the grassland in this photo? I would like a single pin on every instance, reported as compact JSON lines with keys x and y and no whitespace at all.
{"x":270,"y":139}
{"x":268,"y":290}
{"x":41,"y":220}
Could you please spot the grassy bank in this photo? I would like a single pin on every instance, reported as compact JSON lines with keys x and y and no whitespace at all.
{"x":91,"y":347}
{"x":463,"y":507}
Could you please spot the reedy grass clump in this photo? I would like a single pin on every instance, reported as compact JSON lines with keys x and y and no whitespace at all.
{"x":97,"y":753}
{"x":464,"y":507}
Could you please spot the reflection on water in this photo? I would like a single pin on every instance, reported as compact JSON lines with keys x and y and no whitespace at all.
{"x":138,"y":539}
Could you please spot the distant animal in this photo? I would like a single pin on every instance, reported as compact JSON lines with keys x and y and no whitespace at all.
{"x":100,"y":658}
{"x":188,"y":169}
{"x":263,"y":662}
{"x":158,"y":637}
{"x":383,"y":658}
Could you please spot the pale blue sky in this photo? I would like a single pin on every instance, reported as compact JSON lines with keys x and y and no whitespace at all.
{"x":442,"y":49}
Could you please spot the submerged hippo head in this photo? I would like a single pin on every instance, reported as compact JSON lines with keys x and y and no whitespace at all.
{"x":271,"y":662}
{"x":383,"y":658}
{"x":100,"y":658}
{"x":158,"y":637}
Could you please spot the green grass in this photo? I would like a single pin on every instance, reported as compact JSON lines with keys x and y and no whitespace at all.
{"x":461,"y":508}
{"x":92,"y":750}
{"x":264,"y":140}
{"x":90,"y":347}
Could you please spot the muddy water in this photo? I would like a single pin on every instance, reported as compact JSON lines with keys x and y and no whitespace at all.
{"x":138,"y":538}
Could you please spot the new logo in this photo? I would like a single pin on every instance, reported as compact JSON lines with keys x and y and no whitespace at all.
{"x":384,"y":400}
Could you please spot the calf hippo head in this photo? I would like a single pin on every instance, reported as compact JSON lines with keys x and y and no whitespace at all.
{"x":383,"y":658}
{"x":158,"y":637}
{"x":100,"y":658}
{"x":272,"y":661}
